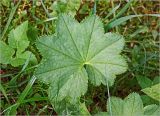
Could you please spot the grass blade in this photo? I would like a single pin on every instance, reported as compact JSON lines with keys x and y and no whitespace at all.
{"x":3,"y":92}
{"x":112,"y":11}
{"x":27,"y":101}
{"x":22,"y":96}
{"x":42,"y":110}
{"x":33,"y":99}
{"x":13,"y":80}
{"x":122,"y":10}
{"x":95,"y":7}
{"x":123,"y":19}
{"x":10,"y":18}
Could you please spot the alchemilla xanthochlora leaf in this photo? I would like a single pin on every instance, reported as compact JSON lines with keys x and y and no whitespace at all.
{"x":78,"y":53}
{"x":132,"y":105}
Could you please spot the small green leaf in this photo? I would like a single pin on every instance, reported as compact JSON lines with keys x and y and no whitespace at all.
{"x":6,"y":53}
{"x":15,"y":52}
{"x":156,"y":80}
{"x":152,"y":110}
{"x":144,"y":81}
{"x":153,"y":91}
{"x":22,"y":57}
{"x":83,"y":110}
{"x":18,"y":37}
{"x":154,"y":34}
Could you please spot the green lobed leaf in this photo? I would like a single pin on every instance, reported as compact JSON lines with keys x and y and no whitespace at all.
{"x":18,"y":37}
{"x":117,"y":106}
{"x":152,"y":110}
{"x":153,"y":91}
{"x":79,"y":52}
{"x":131,"y":106}
{"x":15,"y":52}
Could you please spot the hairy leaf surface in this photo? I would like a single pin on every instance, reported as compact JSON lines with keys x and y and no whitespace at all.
{"x":79,"y":52}
{"x":153,"y":91}
{"x":152,"y":110}
{"x":132,"y":105}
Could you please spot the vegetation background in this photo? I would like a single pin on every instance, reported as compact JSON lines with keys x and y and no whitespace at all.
{"x":141,"y":49}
